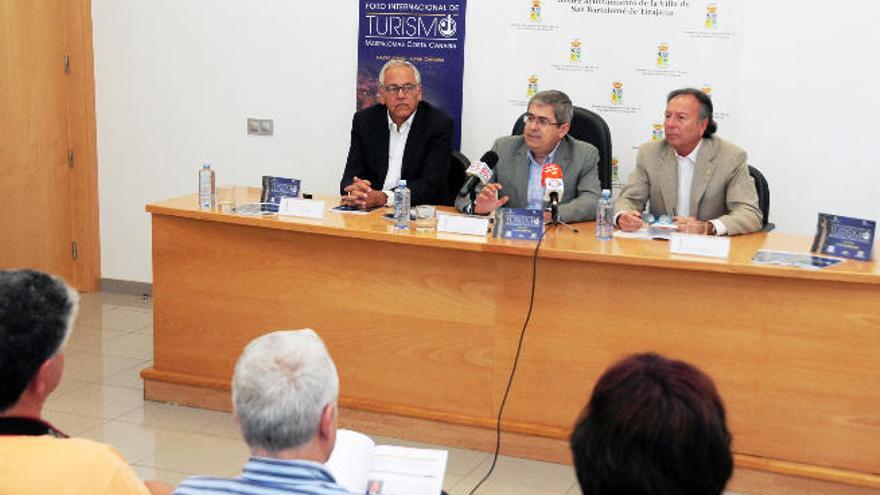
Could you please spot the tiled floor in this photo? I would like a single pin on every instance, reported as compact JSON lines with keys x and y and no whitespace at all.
{"x":101,"y":397}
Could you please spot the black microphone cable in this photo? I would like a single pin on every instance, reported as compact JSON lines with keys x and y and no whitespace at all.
{"x":519,"y":344}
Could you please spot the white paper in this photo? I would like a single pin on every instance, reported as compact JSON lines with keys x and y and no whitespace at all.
{"x":641,"y":234}
{"x":458,"y":224}
{"x":351,"y":460}
{"x":645,"y":234}
{"x":700,"y":245}
{"x":301,"y":208}
{"x":407,"y":471}
{"x":359,"y":465}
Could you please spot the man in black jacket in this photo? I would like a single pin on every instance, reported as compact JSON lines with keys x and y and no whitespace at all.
{"x":401,"y":138}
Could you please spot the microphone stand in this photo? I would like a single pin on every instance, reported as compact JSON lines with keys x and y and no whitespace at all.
{"x":554,"y":215}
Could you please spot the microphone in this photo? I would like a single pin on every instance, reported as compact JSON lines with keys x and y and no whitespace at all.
{"x":479,"y":172}
{"x":554,"y":187}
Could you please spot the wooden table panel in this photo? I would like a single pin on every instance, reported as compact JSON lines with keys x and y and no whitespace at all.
{"x":425,"y":326}
{"x":400,"y":344}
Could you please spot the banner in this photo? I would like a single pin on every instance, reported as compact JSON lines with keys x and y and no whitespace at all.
{"x":620,"y":58}
{"x":428,"y":33}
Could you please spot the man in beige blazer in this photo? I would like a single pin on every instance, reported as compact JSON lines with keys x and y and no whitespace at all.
{"x":699,"y":179}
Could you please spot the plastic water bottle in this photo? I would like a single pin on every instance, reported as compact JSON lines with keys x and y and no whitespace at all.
{"x":605,"y":216}
{"x":401,"y":206}
{"x":207,"y":191}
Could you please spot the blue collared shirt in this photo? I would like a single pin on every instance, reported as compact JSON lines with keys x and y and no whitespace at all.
{"x":536,"y":192}
{"x":262,"y":475}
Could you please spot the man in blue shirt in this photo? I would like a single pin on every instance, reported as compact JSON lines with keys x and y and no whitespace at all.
{"x":284,"y":391}
{"x":544,"y":140}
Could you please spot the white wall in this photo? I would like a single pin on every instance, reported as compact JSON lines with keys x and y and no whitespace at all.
{"x":810,"y":97}
{"x":175,"y":81}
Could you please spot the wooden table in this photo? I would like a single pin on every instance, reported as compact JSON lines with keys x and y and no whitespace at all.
{"x":423,"y":329}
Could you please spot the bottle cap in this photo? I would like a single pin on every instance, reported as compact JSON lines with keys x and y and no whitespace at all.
{"x":402,"y":183}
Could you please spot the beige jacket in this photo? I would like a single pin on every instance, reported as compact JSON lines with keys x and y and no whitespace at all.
{"x":722,"y":187}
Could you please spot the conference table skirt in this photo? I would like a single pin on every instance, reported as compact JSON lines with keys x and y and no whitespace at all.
{"x":425,"y":326}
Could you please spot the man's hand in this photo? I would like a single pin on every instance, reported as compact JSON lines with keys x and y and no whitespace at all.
{"x":630,"y":221}
{"x":361,"y":195}
{"x":690,"y":225}
{"x":487,"y":201}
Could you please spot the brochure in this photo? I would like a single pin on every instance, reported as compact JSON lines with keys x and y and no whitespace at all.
{"x":518,"y":223}
{"x":275,"y":188}
{"x":797,"y":260}
{"x":354,"y":210}
{"x":361,"y":466}
{"x":844,"y":236}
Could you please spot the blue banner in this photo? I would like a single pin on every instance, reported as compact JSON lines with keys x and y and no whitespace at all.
{"x":428,"y":33}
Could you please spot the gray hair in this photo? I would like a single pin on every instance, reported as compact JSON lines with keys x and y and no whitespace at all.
{"x":560,"y":102}
{"x":399,"y":62}
{"x":37,"y":312}
{"x":282,"y":383}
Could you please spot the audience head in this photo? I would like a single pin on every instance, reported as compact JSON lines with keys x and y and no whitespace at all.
{"x":653,"y":426}
{"x":401,"y":88}
{"x":688,"y":119}
{"x":37,"y":312}
{"x":547,"y":121}
{"x":284,"y":391}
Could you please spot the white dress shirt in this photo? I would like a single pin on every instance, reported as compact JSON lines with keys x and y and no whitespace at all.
{"x":396,"y":145}
{"x":686,"y":166}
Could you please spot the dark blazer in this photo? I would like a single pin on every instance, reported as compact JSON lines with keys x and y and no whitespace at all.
{"x":425,"y":157}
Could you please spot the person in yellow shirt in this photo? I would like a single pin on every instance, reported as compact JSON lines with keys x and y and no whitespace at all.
{"x":37,"y":312}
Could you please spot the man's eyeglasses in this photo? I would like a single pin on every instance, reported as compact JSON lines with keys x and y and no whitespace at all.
{"x":406,"y":88}
{"x":542,"y":121}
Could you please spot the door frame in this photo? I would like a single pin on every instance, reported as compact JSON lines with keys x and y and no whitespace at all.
{"x":81,"y":131}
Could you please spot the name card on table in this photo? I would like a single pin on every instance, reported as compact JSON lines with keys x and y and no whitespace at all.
{"x":457,"y":224}
{"x":296,"y":207}
{"x":700,"y":245}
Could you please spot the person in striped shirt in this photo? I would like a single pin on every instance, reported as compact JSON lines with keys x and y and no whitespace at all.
{"x":284,"y":392}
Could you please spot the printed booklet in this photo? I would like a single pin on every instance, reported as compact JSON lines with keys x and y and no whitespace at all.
{"x":361,"y":466}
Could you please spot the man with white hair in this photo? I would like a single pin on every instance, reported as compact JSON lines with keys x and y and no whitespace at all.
{"x":37,"y":312}
{"x":284,"y":392}
{"x":403,"y":137}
